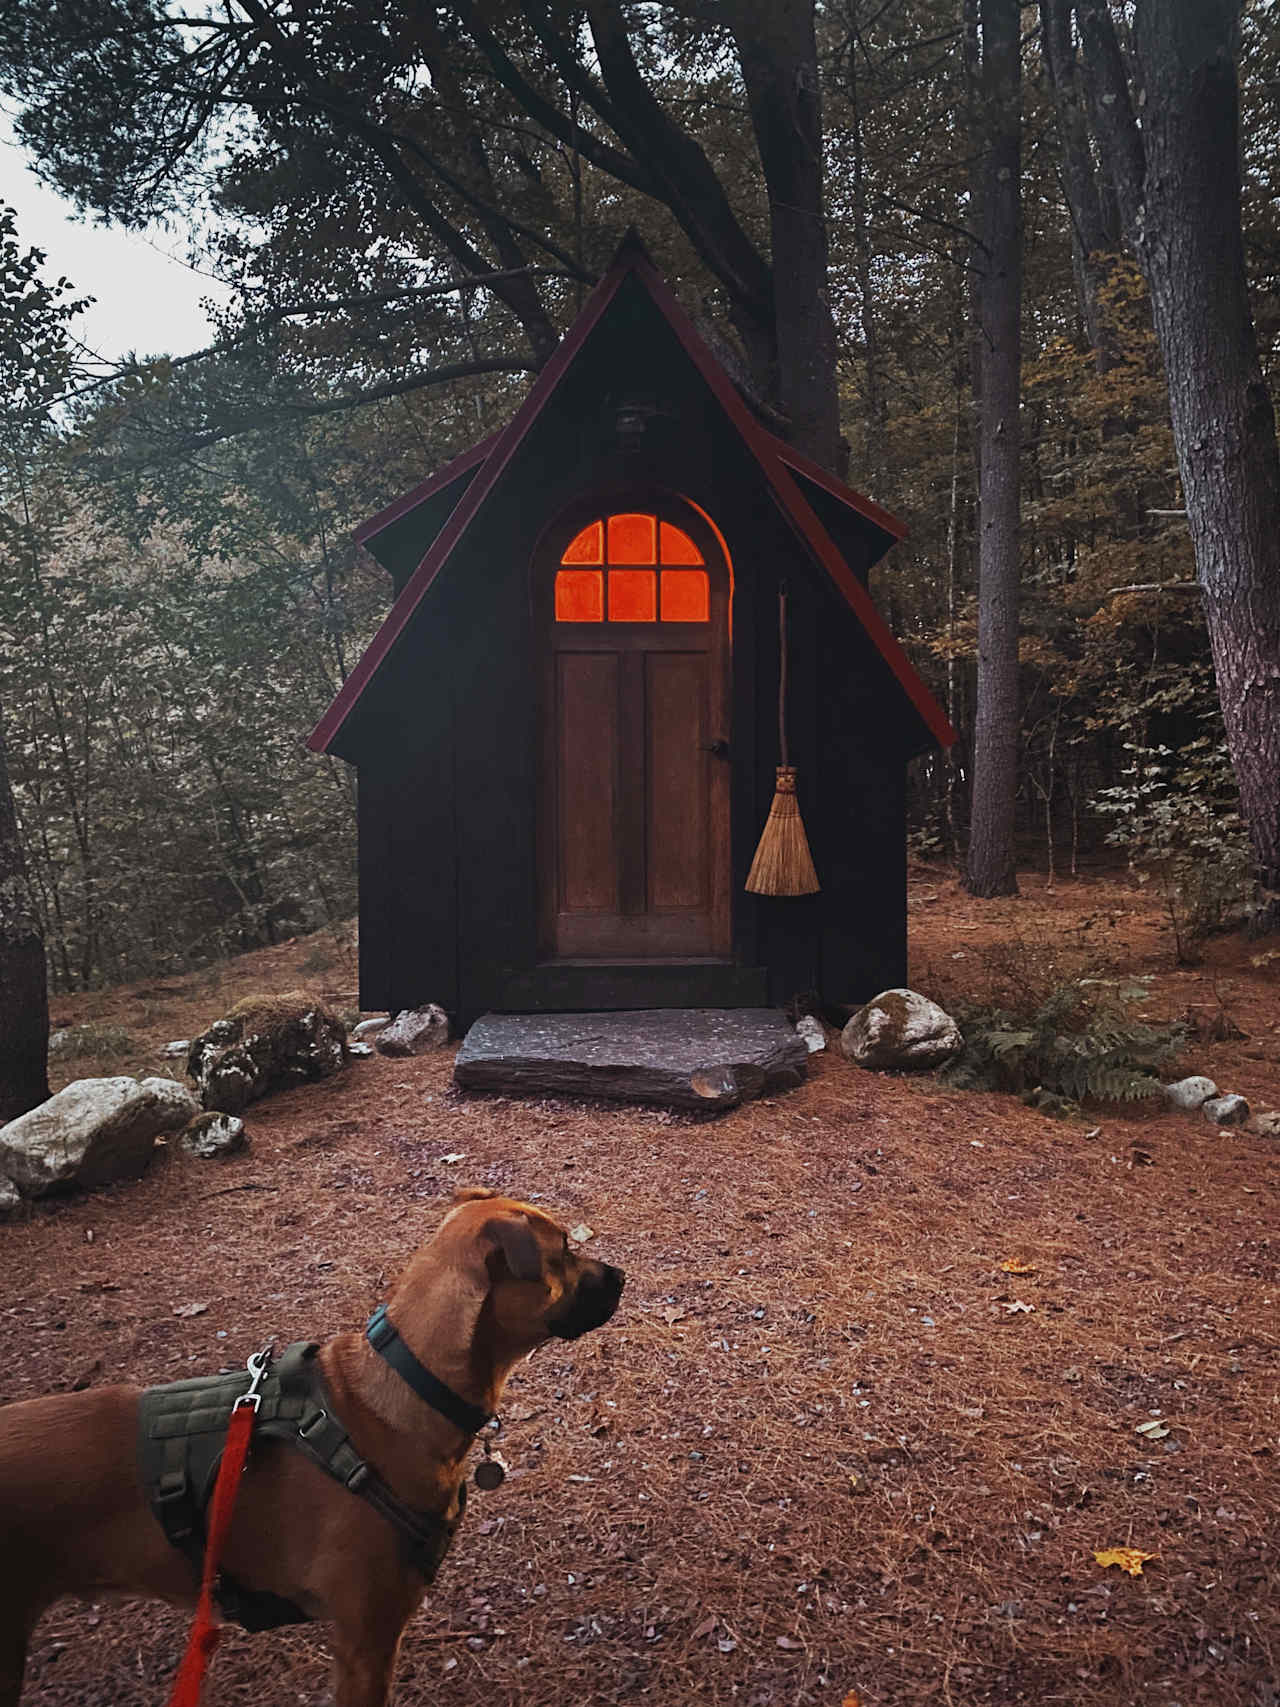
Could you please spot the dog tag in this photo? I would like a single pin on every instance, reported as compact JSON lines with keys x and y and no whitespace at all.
{"x":491,"y":1472}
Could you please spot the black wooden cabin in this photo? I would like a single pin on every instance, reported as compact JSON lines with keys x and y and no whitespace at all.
{"x":566,"y":730}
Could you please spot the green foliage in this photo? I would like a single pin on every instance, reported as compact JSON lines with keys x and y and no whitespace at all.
{"x":1075,"y":1045}
{"x":1175,"y":814}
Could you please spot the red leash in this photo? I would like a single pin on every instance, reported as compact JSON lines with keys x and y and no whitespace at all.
{"x":206,"y":1632}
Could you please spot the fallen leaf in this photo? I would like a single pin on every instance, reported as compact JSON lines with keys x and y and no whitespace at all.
{"x":581,"y":1233}
{"x":852,"y":1699}
{"x":1129,"y":1559}
{"x":1018,"y":1308}
{"x":1154,"y":1430}
{"x":190,"y":1309}
{"x":1015,"y":1265}
{"x":788,"y":1642}
{"x":455,"y":1156}
{"x":706,"y":1627}
{"x":673,"y":1313}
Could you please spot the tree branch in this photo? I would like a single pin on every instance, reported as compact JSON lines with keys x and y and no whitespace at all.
{"x":689,"y":185}
{"x":611,"y":160}
{"x":354,"y":400}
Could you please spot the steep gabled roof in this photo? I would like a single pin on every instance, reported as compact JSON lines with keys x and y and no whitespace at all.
{"x":782,"y":467}
{"x":428,"y":488}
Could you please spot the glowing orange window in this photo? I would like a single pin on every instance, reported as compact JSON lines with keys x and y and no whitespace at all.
{"x":686,"y":595}
{"x":587,"y":546}
{"x":580,"y":595}
{"x":650,"y":571}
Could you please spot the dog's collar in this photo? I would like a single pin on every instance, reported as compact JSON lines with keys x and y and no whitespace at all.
{"x":382,"y":1336}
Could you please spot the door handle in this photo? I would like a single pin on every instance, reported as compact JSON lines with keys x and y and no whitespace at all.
{"x":720,"y":747}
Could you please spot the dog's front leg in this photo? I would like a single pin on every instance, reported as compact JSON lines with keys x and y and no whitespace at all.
{"x":364,"y":1660}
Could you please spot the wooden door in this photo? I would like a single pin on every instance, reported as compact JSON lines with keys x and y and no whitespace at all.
{"x":634,"y":857}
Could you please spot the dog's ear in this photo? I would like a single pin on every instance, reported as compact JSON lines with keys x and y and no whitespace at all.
{"x":514,"y":1238}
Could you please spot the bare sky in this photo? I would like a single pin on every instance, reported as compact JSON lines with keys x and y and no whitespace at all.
{"x":148,"y":299}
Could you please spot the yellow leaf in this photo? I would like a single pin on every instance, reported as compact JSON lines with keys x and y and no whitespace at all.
{"x":1128,"y":1558}
{"x":1015,"y":1265}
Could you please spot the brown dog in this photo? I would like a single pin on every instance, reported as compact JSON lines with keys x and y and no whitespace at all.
{"x":498,"y":1279}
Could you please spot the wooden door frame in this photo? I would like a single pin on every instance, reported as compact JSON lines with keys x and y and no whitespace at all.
{"x":668,"y":506}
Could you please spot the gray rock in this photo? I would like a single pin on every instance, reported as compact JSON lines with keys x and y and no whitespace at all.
{"x":1228,"y":1110}
{"x":696,"y":1058}
{"x":414,"y":1031}
{"x":359,"y":1049}
{"x":1191,"y":1093}
{"x":213,"y":1135}
{"x":10,"y":1199}
{"x":92,"y":1132}
{"x":901,"y":1028}
{"x":809,"y":1029}
{"x":266,"y":1043}
{"x":368,"y":1028}
{"x":179,"y":1046}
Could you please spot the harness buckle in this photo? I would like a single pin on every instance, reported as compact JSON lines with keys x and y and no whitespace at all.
{"x":258,"y":1366}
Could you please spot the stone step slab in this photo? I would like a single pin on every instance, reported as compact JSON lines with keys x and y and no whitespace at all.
{"x":690,"y":1058}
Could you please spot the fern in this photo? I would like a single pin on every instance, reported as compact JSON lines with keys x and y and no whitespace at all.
{"x":1073,"y":1047}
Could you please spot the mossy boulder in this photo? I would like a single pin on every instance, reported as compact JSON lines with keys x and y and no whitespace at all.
{"x":264,"y":1044}
{"x":901,"y":1029}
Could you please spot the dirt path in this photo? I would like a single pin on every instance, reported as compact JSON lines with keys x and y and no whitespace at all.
{"x":817,"y":1453}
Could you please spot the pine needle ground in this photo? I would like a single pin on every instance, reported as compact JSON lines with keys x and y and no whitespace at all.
{"x":817,"y":1452}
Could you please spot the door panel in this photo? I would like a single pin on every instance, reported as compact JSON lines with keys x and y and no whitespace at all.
{"x":678,"y":762}
{"x":587,"y":762}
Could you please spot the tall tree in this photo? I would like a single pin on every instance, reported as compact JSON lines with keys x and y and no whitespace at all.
{"x":34,"y":364}
{"x":1177,"y":177}
{"x":999,"y":365}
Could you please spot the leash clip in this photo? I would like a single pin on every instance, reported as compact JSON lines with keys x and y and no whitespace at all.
{"x":258,"y":1366}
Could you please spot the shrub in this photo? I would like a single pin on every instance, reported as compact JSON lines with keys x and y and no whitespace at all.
{"x":93,"y":1042}
{"x":1074,"y":1045}
{"x":1176,"y":815}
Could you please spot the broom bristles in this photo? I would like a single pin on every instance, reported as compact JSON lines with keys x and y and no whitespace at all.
{"x":783,"y":864}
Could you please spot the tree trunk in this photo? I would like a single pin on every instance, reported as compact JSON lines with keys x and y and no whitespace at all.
{"x":995,"y":756}
{"x":24,"y":990}
{"x":1178,"y":182}
{"x":778,"y":53}
{"x":1095,"y":228}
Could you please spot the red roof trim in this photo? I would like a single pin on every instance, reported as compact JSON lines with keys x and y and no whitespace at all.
{"x":504,"y":445}
{"x":814,"y":471}
{"x":767,"y":450}
{"x":433,"y":483}
{"x":795,"y":505}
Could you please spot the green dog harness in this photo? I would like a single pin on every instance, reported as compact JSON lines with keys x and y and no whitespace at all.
{"x":182,"y":1428}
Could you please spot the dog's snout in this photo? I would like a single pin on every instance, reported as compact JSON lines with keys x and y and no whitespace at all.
{"x":592,"y":1303}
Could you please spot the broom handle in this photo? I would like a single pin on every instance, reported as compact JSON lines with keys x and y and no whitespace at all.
{"x":782,"y":672}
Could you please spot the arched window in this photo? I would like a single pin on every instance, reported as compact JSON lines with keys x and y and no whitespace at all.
{"x":632,"y":568}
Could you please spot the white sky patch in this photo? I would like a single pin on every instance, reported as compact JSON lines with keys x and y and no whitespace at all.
{"x":149,"y":300}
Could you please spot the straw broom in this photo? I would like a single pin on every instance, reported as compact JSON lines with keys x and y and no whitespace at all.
{"x":783,"y":864}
